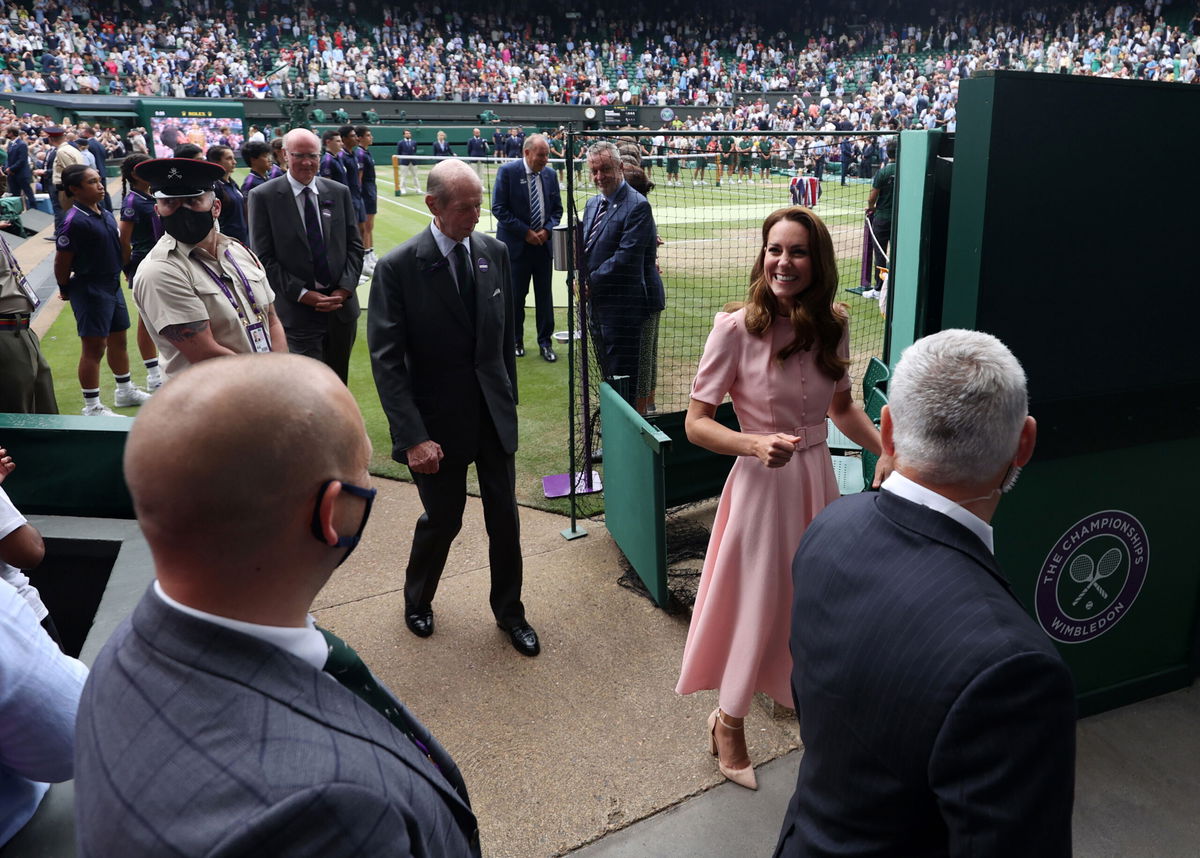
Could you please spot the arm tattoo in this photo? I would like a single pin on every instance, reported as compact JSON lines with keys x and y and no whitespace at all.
{"x":186,"y":331}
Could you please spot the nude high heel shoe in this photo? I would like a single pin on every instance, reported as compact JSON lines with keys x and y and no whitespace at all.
{"x":742,"y":777}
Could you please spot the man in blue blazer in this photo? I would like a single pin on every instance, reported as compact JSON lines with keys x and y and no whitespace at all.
{"x":18,"y":169}
{"x":527,"y":206}
{"x":218,"y":719}
{"x":937,"y":717}
{"x":618,"y":237}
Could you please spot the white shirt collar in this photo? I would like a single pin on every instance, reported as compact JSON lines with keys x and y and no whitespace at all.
{"x":307,"y":644}
{"x":902,"y":486}
{"x":298,"y":188}
{"x":446,"y":244}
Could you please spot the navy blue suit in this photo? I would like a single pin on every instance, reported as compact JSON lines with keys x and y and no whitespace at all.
{"x":937,"y":718}
{"x":406,"y":148}
{"x":20,"y":174}
{"x":614,"y":269}
{"x":510,"y":205}
{"x":477,"y":148}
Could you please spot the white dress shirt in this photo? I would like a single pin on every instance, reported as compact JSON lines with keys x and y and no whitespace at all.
{"x":306,"y":643}
{"x":446,"y":245}
{"x":900,"y":485}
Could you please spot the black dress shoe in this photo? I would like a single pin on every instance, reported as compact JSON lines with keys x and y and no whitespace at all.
{"x":524,"y":639}
{"x":520,"y":350}
{"x":420,"y":622}
{"x":548,"y":354}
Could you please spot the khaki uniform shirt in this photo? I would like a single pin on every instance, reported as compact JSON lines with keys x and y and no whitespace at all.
{"x":67,"y":155}
{"x":13,"y":299}
{"x":171,"y":287}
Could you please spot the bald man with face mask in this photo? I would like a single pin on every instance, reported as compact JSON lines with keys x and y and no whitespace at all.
{"x":277,"y":739}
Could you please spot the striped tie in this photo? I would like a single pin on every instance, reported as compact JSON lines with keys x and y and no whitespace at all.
{"x":536,"y":219}
{"x":597,"y":223}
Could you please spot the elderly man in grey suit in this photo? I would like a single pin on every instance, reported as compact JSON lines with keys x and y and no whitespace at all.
{"x":218,"y":719}
{"x":441,"y":332}
{"x":305,"y":232}
{"x":937,"y":717}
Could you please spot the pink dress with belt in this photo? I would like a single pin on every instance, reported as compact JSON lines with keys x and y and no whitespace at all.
{"x":738,"y":638}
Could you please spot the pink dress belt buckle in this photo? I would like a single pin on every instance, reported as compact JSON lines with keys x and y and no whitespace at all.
{"x":810,"y":436}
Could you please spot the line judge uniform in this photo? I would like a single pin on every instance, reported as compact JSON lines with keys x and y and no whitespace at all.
{"x":300,"y":256}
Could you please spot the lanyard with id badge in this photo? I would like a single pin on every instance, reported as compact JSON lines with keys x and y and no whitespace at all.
{"x":260,"y":340}
{"x":22,"y":280}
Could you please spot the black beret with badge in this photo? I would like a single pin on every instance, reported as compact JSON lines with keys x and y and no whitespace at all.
{"x":179,"y":177}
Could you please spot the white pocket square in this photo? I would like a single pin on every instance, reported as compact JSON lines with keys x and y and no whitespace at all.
{"x":497,"y":292}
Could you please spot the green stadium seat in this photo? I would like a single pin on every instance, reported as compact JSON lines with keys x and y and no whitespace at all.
{"x":876,"y":399}
{"x":877,"y":373}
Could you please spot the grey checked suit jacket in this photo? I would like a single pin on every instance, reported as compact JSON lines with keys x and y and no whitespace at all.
{"x":433,"y":372}
{"x":195,"y":740}
{"x":277,"y":237}
{"x":937,"y":717}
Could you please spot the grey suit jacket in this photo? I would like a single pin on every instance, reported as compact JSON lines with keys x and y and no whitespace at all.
{"x":433,"y":373}
{"x":193,"y":740}
{"x":278,"y":239}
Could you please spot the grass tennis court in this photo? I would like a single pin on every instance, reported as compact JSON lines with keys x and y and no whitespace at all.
{"x":711,"y":239}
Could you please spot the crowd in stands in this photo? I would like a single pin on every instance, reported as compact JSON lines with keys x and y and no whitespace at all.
{"x":665,"y":53}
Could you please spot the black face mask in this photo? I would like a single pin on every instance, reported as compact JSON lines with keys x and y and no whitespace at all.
{"x":347,"y":542}
{"x":188,"y":225}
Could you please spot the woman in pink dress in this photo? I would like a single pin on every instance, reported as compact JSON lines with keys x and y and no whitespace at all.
{"x":782,"y":358}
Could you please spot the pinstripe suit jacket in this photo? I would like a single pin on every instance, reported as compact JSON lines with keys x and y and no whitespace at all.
{"x":193,"y":739}
{"x":937,"y":718}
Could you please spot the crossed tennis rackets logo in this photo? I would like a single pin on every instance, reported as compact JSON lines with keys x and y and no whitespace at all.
{"x":1084,"y":571}
{"x":1105,"y":557}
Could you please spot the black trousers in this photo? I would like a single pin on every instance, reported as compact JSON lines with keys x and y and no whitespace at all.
{"x":536,"y":264}
{"x":444,"y":496}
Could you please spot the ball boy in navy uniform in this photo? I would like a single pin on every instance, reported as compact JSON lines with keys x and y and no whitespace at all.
{"x":87,"y":268}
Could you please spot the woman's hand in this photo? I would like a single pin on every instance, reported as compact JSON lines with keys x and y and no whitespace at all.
{"x":883,"y":467}
{"x":775,"y":450}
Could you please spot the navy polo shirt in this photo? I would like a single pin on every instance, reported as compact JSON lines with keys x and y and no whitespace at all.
{"x":138,"y":209}
{"x":367,"y":164}
{"x":94,"y":239}
{"x":233,"y":212}
{"x":350,"y":167}
{"x":332,"y":167}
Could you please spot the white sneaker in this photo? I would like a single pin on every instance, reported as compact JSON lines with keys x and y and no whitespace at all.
{"x":131,"y":396}
{"x":871,"y":293}
{"x":153,"y":385}
{"x":98,"y":410}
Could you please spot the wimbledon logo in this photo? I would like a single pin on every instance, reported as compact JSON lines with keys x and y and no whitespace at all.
{"x":1092,"y":576}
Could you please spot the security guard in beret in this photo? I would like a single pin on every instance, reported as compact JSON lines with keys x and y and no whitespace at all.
{"x":202,"y":294}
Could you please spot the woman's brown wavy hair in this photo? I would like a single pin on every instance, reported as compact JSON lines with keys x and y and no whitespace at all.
{"x":816,"y":320}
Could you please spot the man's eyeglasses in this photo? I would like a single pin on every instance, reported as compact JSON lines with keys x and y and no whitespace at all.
{"x":303,"y":156}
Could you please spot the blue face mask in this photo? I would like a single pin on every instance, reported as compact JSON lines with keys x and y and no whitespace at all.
{"x":347,"y":542}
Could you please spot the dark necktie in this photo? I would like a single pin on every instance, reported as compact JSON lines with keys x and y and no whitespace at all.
{"x":536,"y":218}
{"x":466,"y":282}
{"x":344,"y":665}
{"x":316,"y":241}
{"x":597,"y":224}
